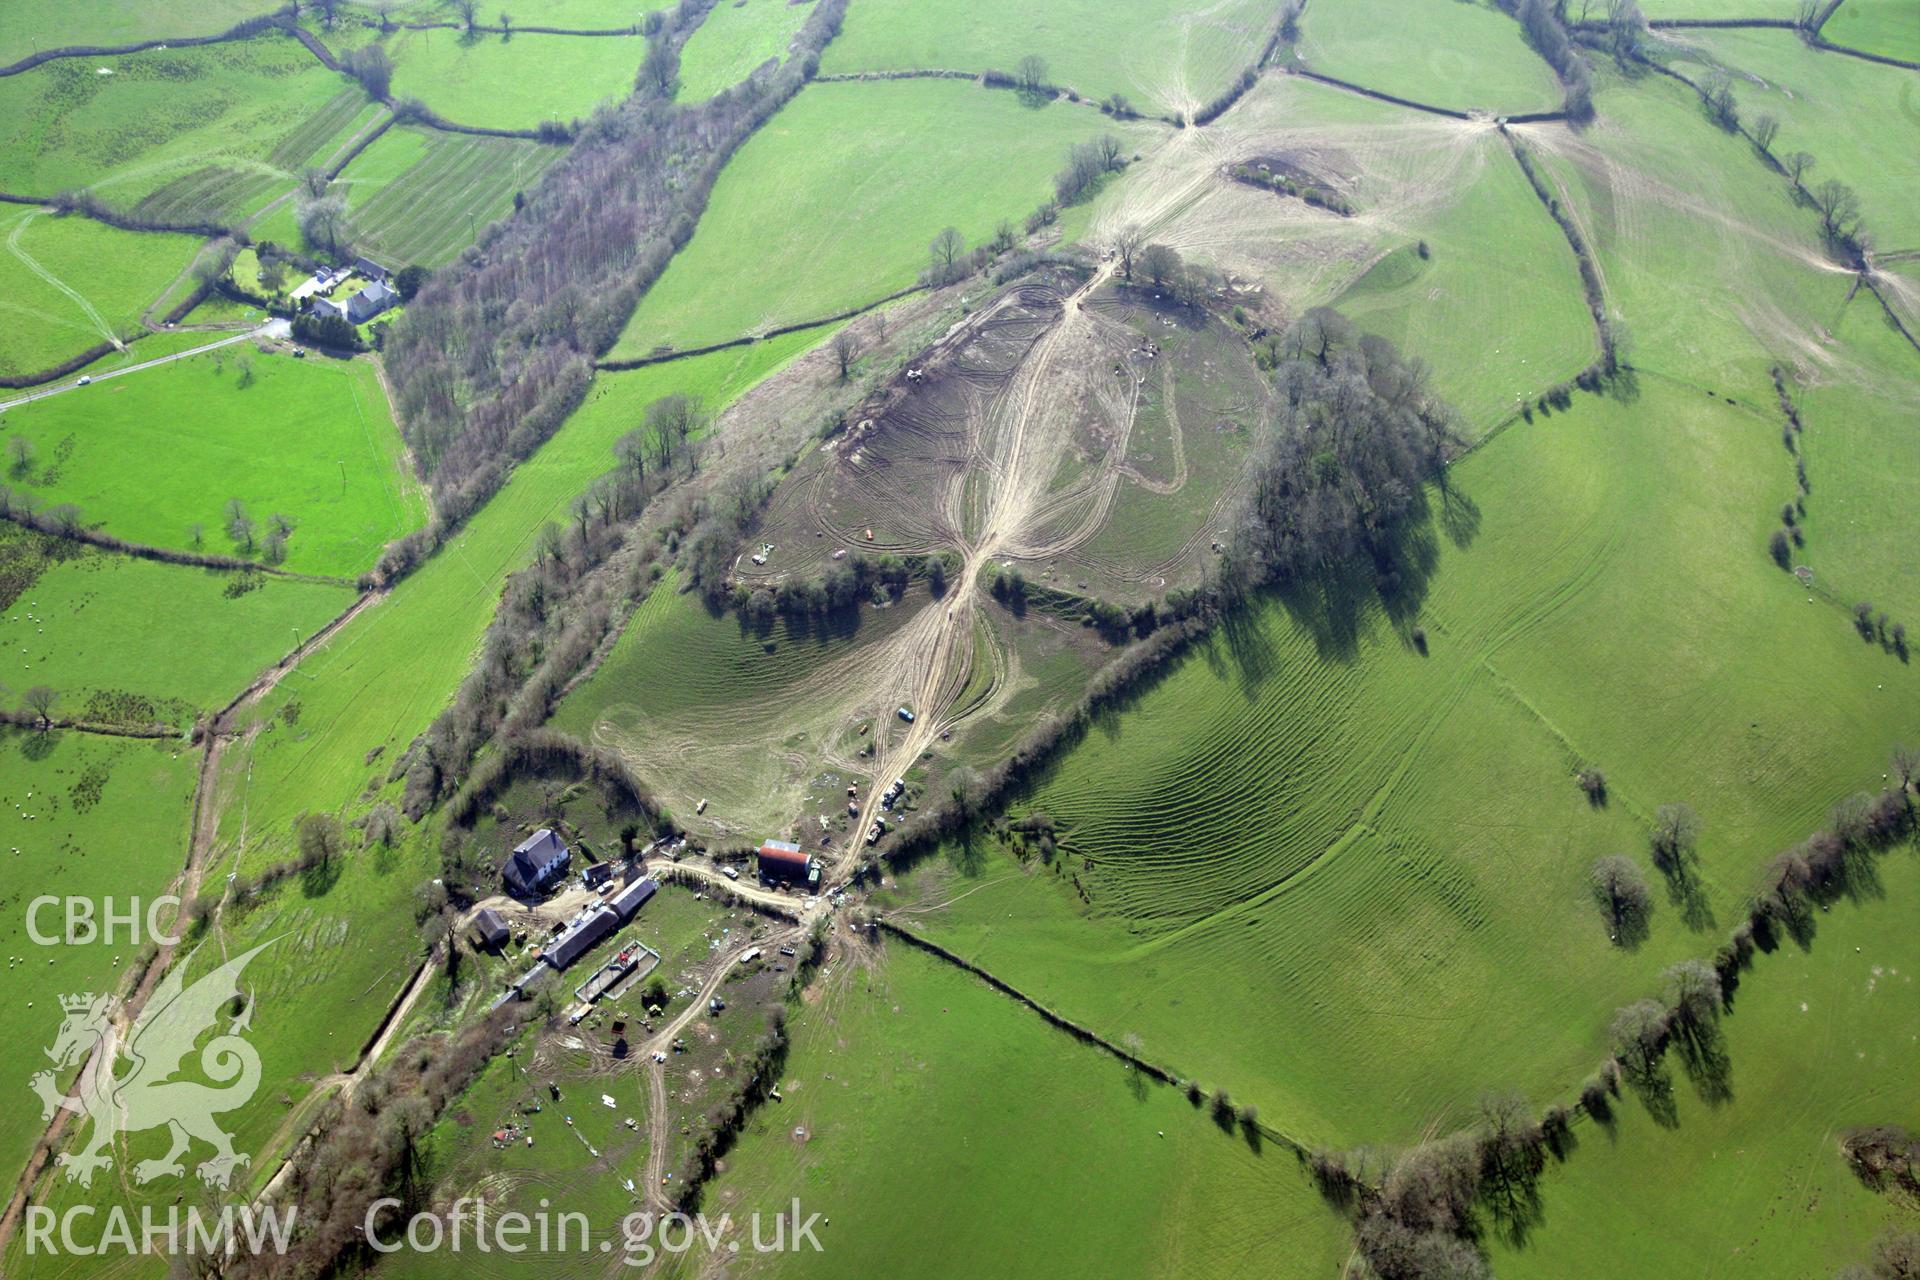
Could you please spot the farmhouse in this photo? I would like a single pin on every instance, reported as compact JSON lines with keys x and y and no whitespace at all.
{"x":781,"y":860}
{"x":361,"y":307}
{"x":537,"y":864}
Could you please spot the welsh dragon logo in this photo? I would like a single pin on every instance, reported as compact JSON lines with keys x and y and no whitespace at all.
{"x":146,"y":1096}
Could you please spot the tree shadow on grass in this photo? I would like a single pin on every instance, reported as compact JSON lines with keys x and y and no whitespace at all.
{"x":37,"y":745}
{"x":318,"y":879}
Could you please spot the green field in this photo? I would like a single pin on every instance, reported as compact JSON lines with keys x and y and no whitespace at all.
{"x":93,"y":818}
{"x":1886,"y":27}
{"x":136,"y":641}
{"x":1373,"y":842}
{"x":67,"y":284}
{"x":182,"y":135}
{"x":1459,"y":54}
{"x":915,"y":1093}
{"x":1817,"y":1047}
{"x":863,"y":162}
{"x":417,"y":196}
{"x":34,"y":25}
{"x":515,"y":83}
{"x":1161,"y":56}
{"x":150,"y":456}
{"x":737,"y":36}
{"x":1817,"y":97}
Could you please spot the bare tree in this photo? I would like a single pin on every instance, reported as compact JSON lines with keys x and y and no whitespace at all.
{"x":1624,"y":898}
{"x":20,"y":449}
{"x":240,"y":526}
{"x":1839,"y":208}
{"x":1765,"y":129}
{"x":1032,"y":73}
{"x":1127,"y":245}
{"x":372,"y":66}
{"x":945,"y":251}
{"x":466,"y":10}
{"x":1161,"y":262}
{"x":1639,"y":1035}
{"x":661,"y":67}
{"x":1799,"y":165}
{"x":845,"y":351}
{"x":39,"y":700}
{"x":1675,"y":832}
{"x":1693,"y":993}
{"x":66,"y":520}
{"x":325,"y":225}
{"x":1111,"y":150}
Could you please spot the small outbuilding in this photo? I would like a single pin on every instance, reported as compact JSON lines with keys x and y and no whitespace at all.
{"x":489,"y":929}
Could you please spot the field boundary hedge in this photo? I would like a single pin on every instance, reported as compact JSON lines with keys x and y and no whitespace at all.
{"x":238,"y":31}
{"x":163,"y":555}
{"x":663,"y":357}
{"x":1086,"y":1035}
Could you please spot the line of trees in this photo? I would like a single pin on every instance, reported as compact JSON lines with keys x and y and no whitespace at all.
{"x":497,"y":350}
{"x":556,"y":613}
{"x":1542,"y":23}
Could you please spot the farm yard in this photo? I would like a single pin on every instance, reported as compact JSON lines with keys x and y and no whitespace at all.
{"x":1136,"y":639}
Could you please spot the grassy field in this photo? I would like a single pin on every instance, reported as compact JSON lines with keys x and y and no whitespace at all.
{"x":1818,"y":97}
{"x":90,"y":817}
{"x":184,"y":134}
{"x":1450,"y":53}
{"x":1495,"y":305}
{"x":137,"y":641}
{"x":1160,"y":55}
{"x":151,"y":455}
{"x":1043,"y":1156}
{"x":1373,"y":842}
{"x":737,"y":36}
{"x":1885,"y":27}
{"x":384,"y":680}
{"x":512,"y":83}
{"x":865,"y":175}
{"x":34,"y":25}
{"x":417,"y":196}
{"x":67,"y":284}
{"x":1817,"y":1047}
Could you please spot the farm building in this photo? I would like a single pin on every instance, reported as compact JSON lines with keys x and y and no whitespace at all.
{"x":361,"y":307}
{"x":371,"y":270}
{"x":783,"y":861}
{"x":537,"y":864}
{"x":632,"y":898}
{"x":580,"y":935}
{"x":489,"y":929}
{"x":595,"y":874}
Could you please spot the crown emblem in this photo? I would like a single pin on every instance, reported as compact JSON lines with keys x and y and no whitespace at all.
{"x":77,"y":1004}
